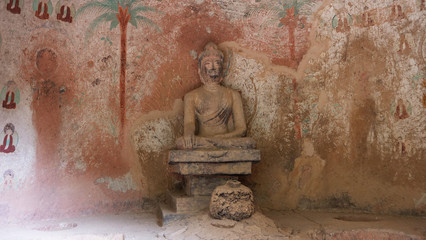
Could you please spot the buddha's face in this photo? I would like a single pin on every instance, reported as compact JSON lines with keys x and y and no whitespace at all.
{"x":211,"y":69}
{"x":9,"y":131}
{"x":11,"y":86}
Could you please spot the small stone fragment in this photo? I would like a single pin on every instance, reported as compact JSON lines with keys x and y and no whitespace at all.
{"x":173,"y":232}
{"x":225,"y":223}
{"x":286,"y":230}
{"x":232,"y":201}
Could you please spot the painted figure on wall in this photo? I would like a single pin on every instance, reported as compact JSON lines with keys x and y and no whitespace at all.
{"x":10,"y":95}
{"x":7,"y":146}
{"x":342,"y":23}
{"x":42,"y":9}
{"x":404,"y":46}
{"x":368,"y":18}
{"x":8,"y":176}
{"x":401,"y":111}
{"x":14,"y":6}
{"x":64,"y":13}
{"x":397,"y":13}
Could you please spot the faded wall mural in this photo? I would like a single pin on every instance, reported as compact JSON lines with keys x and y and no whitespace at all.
{"x":334,"y":94}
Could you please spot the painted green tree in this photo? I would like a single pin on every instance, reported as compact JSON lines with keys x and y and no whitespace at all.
{"x":286,"y":13}
{"x":118,"y":13}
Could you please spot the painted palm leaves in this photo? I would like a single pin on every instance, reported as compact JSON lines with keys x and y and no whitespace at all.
{"x":118,"y":13}
{"x":109,"y":9}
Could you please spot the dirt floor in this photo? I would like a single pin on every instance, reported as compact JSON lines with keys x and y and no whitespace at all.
{"x":262,"y":225}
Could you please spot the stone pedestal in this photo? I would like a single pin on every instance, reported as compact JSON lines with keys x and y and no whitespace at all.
{"x":196,"y":185}
{"x":203,"y":171}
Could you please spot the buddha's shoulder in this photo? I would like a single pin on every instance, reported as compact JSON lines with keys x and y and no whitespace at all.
{"x":193,"y":93}
{"x":231,"y":91}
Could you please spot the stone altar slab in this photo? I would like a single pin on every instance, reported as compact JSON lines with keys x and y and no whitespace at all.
{"x":238,"y":168}
{"x":214,"y":156}
{"x":213,"y":162}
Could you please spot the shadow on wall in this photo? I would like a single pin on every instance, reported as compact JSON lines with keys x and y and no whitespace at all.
{"x":153,"y":135}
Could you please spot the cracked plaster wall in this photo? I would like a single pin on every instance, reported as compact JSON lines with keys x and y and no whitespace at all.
{"x":341,"y":81}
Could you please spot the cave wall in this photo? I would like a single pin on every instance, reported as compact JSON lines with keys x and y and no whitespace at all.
{"x":334,"y":94}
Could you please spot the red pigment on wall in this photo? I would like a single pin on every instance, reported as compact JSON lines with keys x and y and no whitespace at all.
{"x":297,"y":122}
{"x":48,"y":71}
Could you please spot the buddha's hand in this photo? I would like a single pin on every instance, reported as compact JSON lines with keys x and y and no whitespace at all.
{"x":189,"y":141}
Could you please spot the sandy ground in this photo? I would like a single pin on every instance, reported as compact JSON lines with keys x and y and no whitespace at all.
{"x":266,"y":225}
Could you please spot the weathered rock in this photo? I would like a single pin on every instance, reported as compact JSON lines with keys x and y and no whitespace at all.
{"x":224,"y":223}
{"x":232,"y":201}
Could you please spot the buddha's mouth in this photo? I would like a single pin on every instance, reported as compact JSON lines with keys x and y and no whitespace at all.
{"x":213,"y":72}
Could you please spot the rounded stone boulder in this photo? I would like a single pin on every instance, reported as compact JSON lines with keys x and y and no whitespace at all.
{"x":232,"y":201}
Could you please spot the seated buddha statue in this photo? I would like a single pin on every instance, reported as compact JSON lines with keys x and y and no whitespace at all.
{"x":213,"y":114}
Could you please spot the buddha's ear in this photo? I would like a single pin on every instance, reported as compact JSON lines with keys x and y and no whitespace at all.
{"x":199,"y":72}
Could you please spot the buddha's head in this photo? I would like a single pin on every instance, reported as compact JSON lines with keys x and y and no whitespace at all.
{"x":11,"y":86}
{"x":9,"y":129}
{"x":210,"y":64}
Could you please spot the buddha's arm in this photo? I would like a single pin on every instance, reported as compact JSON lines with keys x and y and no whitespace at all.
{"x":189,"y":115}
{"x":240,"y":128}
{"x":189,"y":122}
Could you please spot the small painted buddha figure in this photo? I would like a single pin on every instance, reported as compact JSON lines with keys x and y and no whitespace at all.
{"x":8,"y":176}
{"x":213,"y":114}
{"x":10,"y":95}
{"x":7,"y":146}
